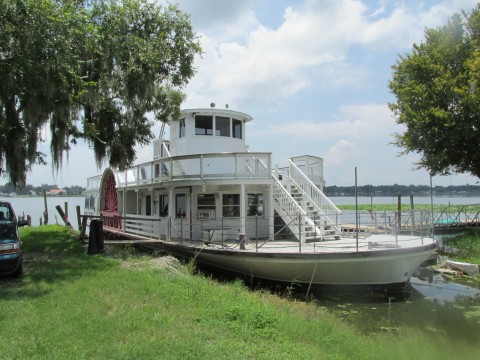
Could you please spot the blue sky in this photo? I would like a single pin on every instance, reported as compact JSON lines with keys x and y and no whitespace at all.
{"x":313,"y":74}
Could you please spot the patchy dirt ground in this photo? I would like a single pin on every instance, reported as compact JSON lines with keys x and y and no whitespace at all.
{"x":165,"y":263}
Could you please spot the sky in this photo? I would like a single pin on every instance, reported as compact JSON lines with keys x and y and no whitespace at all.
{"x":314,"y":76}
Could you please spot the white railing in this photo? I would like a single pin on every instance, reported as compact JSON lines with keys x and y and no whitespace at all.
{"x":142,"y":226}
{"x":313,"y":195}
{"x":198,"y":167}
{"x":288,"y":209}
{"x":93,"y":183}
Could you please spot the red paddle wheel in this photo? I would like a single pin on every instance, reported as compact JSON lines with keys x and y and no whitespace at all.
{"x":109,"y":202}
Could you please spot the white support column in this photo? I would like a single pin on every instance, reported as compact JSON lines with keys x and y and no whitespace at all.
{"x":271,"y":213}
{"x":243,"y":207}
{"x":171,"y":204}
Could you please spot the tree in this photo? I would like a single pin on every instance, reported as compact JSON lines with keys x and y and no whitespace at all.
{"x":90,"y":70}
{"x":437,"y":93}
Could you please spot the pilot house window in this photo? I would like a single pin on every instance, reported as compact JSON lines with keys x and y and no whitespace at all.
{"x":237,"y":128}
{"x":182,"y":128}
{"x":222,"y":126}
{"x":203,"y":125}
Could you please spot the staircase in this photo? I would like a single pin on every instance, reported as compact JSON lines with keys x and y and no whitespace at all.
{"x":307,"y":212}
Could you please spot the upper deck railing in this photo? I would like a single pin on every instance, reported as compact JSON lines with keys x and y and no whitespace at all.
{"x":198,"y":167}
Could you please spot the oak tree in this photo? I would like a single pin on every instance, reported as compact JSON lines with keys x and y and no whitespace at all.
{"x":437,"y":90}
{"x":89,"y":70}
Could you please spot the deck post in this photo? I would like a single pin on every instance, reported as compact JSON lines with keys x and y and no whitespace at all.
{"x":300,"y":233}
{"x":271,"y":212}
{"x":256,"y":232}
{"x":242,"y":209}
{"x":222,"y":234}
{"x":181,"y":229}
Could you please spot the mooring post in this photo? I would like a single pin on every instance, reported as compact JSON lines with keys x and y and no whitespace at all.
{"x":241,"y":241}
{"x":45,"y":213}
{"x":78,"y":217}
{"x":84,"y":227}
{"x":63,"y":216}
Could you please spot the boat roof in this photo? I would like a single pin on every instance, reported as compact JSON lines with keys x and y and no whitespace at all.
{"x":218,"y":112}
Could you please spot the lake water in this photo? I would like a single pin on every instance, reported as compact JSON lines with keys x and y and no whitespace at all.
{"x":35,"y":206}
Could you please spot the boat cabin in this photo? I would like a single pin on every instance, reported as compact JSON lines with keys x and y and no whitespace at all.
{"x":204,"y":179}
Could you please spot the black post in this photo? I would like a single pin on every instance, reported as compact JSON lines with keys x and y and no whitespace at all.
{"x":95,"y":237}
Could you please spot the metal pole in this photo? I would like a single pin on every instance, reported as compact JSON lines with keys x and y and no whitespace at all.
{"x":300,"y":233}
{"x":256,"y":232}
{"x":222,"y":232}
{"x":431,"y":203}
{"x":356,"y":209}
{"x":413,"y":212}
{"x":181,"y":229}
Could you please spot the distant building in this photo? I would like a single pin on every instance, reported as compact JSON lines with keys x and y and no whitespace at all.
{"x":56,"y":192}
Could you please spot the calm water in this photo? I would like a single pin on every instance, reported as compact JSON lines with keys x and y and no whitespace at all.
{"x":35,"y":206}
{"x":430,"y":303}
{"x":366,"y":200}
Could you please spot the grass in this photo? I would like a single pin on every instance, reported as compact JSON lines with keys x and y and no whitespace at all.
{"x":438,"y":208}
{"x":464,"y":246}
{"x":128,"y":305}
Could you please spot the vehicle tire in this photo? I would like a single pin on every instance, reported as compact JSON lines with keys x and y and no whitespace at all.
{"x":19,"y":271}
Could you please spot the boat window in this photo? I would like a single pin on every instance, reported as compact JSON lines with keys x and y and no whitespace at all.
{"x":180,"y":205}
{"x":206,"y":206}
{"x":182,"y":128}
{"x":237,"y":128}
{"x":90,"y":202}
{"x":255,"y":204}
{"x":203,"y":125}
{"x":222,"y":126}
{"x":163,"y":205}
{"x":231,"y":205}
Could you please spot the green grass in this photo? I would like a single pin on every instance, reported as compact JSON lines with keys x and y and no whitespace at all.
{"x":128,"y":305}
{"x":438,"y":208}
{"x":464,"y":246}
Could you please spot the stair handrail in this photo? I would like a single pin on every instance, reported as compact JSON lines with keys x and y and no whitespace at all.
{"x":313,"y":189}
{"x":314,"y":195}
{"x":293,"y":210}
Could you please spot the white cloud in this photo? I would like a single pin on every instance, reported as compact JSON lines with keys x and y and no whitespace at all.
{"x":352,"y":121}
{"x":312,"y":46}
{"x":340,"y":152}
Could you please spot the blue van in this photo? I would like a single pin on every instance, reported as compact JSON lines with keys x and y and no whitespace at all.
{"x":10,"y":245}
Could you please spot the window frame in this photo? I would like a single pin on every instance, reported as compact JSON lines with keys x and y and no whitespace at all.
{"x":231,"y":210}
{"x":204,"y":130}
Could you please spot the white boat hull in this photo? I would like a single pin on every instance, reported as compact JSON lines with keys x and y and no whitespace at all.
{"x":372,"y":267}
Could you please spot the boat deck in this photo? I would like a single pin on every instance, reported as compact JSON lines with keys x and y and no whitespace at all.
{"x":373,"y":243}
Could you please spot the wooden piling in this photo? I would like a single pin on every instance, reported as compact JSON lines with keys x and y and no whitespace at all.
{"x":45,"y":213}
{"x":63,"y":216}
{"x":78,"y":218}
